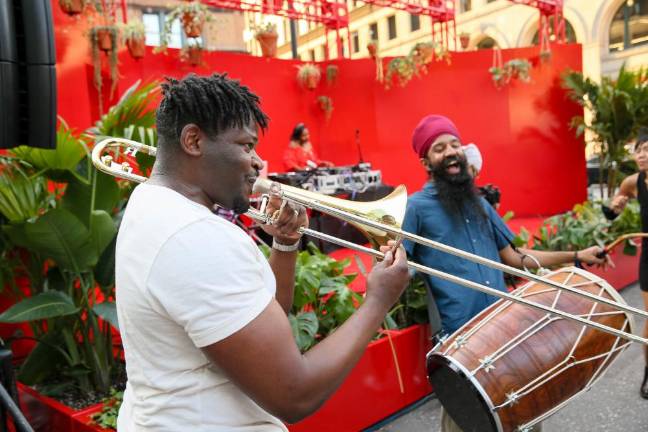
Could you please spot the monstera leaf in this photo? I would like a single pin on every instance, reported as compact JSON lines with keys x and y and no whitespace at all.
{"x":304,"y":327}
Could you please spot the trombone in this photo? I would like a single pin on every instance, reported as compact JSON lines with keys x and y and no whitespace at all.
{"x":379,"y":221}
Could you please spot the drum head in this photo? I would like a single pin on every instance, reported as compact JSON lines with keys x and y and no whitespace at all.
{"x":459,"y":396}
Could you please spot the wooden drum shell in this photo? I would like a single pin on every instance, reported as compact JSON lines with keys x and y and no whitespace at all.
{"x":525,"y":362}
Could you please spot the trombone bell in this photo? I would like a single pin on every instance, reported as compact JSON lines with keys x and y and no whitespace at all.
{"x":389,"y":210}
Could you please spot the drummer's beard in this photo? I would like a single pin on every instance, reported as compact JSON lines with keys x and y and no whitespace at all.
{"x":457,"y":192}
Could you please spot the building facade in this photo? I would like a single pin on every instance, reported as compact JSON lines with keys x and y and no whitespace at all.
{"x":611,"y":31}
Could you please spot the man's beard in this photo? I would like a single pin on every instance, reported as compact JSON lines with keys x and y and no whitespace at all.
{"x":241,"y":204}
{"x":457,"y":192}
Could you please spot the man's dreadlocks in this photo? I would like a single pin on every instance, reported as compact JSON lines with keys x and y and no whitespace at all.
{"x":215,"y":104}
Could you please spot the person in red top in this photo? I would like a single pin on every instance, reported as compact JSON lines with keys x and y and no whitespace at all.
{"x":299,"y":155}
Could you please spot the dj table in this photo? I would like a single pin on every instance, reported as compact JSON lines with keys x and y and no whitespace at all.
{"x":335,"y":180}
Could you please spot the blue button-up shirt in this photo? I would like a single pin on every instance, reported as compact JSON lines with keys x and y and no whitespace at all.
{"x":427,"y":217}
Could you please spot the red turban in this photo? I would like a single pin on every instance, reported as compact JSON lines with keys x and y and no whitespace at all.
{"x":428,"y":130}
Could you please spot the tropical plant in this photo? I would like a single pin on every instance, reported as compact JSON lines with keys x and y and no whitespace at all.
{"x":582,"y":227}
{"x":411,"y":308}
{"x":69,"y":246}
{"x":308,"y":75}
{"x":618,"y":107}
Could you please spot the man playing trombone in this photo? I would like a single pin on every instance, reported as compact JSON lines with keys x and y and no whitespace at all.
{"x":202,"y":313}
{"x":449,"y":210}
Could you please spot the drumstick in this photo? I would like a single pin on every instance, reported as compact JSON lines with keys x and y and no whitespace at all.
{"x":618,"y":240}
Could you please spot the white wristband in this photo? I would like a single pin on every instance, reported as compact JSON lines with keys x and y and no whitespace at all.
{"x":285,"y":248}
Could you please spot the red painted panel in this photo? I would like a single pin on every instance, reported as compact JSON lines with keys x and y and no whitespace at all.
{"x":522,"y":129}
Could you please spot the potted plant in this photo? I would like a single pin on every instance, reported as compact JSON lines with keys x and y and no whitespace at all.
{"x":192,"y":15}
{"x":326,"y":105}
{"x":332,"y":72}
{"x":68,"y":237}
{"x":421,"y":55}
{"x":619,"y":106}
{"x":308,"y":75}
{"x":134,"y":35}
{"x":192,"y":53}
{"x":403,"y":68}
{"x":372,"y":48}
{"x":72,"y":7}
{"x":104,"y":38}
{"x":464,"y":39}
{"x":513,"y":69}
{"x":266,"y":35}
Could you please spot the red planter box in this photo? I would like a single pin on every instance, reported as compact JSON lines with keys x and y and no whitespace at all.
{"x":372,"y":392}
{"x":45,"y":414}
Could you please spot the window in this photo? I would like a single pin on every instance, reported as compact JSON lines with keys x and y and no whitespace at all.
{"x":629,"y":26}
{"x":486,"y":43}
{"x":373,"y":31}
{"x":490,"y":1}
{"x":391,"y":27}
{"x":415,"y":22}
{"x":465,"y":5}
{"x":355,"y":40}
{"x":153,"y":25}
{"x":312,"y":55}
{"x":570,"y":35}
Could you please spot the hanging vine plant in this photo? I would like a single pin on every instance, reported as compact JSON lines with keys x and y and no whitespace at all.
{"x":309,"y":75}
{"x":192,"y":15}
{"x":104,"y":38}
{"x":72,"y":7}
{"x":326,"y":105}
{"x":332,"y":72}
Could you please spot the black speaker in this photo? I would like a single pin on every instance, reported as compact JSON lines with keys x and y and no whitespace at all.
{"x":27,"y":74}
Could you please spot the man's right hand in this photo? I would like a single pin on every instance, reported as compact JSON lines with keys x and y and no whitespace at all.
{"x":389,"y":277}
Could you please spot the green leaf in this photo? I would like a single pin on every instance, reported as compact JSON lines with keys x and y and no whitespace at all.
{"x":78,"y":196}
{"x":104,"y":271}
{"x":108,"y":312}
{"x":304,"y":327}
{"x":61,"y":236}
{"x":102,"y":231}
{"x":50,"y":304}
{"x":68,"y":153}
{"x":43,"y":361}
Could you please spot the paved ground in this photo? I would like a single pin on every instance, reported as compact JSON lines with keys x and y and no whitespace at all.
{"x":612,"y":405}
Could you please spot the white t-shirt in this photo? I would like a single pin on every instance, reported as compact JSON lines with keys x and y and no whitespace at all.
{"x":185,"y":279}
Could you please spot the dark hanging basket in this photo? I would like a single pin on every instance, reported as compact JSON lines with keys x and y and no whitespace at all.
{"x":136,"y":47}
{"x":72,"y":7}
{"x":192,"y":27}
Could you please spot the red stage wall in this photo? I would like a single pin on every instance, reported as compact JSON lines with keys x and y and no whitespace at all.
{"x":521,"y":129}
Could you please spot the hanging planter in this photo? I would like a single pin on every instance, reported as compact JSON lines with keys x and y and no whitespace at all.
{"x":192,"y":54}
{"x":134,"y":36}
{"x":72,"y":7}
{"x":326,"y":105}
{"x":192,"y":24}
{"x":372,"y":47}
{"x":193,"y":15}
{"x":309,"y":75}
{"x":104,"y":38}
{"x":464,"y":39}
{"x":266,"y":35}
{"x":422,"y":55}
{"x":332,"y":74}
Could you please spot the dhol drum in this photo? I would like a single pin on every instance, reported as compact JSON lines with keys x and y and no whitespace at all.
{"x":512,"y":366}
